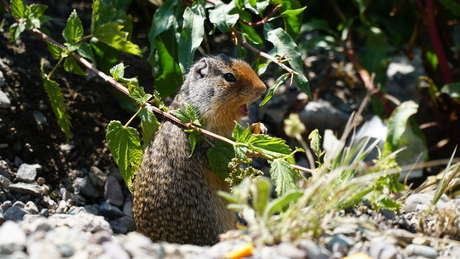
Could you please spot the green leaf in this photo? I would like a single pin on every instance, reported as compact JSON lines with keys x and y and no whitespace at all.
{"x":15,"y":30}
{"x":118,"y":71}
{"x":187,"y":115}
{"x":293,"y":21}
{"x":285,"y":46}
{"x":193,"y":137}
{"x":224,"y":16}
{"x":260,"y":190}
{"x":453,"y":90}
{"x":124,"y":144}
{"x":85,"y":51}
{"x":452,"y":6}
{"x":167,"y":73}
{"x":191,"y":35}
{"x":71,"y":65}
{"x":272,"y":89}
{"x":271,"y":147}
{"x":162,"y":21}
{"x":404,"y":132}
{"x":250,"y":34}
{"x":219,"y":156}
{"x":35,"y":11}
{"x":241,"y":135}
{"x":57,"y":101}
{"x":149,"y":124}
{"x":318,"y":25}
{"x":240,"y":151}
{"x":118,"y":4}
{"x":73,"y":30}
{"x":18,"y":9}
{"x":111,"y":34}
{"x":106,"y":13}
{"x":283,"y":176}
{"x":315,"y":142}
{"x":55,"y":50}
{"x":279,"y":203}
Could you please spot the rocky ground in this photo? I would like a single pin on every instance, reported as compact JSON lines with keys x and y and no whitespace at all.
{"x":64,"y":199}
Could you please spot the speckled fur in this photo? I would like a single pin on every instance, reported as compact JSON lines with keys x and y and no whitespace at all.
{"x":175,"y":196}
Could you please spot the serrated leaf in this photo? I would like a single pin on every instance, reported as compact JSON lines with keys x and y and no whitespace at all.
{"x":112,"y":35}
{"x":260,"y":189}
{"x":18,"y":9}
{"x":35,"y":10}
{"x":283,"y":176}
{"x":57,"y":101}
{"x":224,"y":16}
{"x":71,"y":65}
{"x":272,"y":89}
{"x":124,"y":144}
{"x":118,"y":71}
{"x":55,"y":50}
{"x":149,"y":124}
{"x":187,"y":115}
{"x":241,"y":135}
{"x":285,"y":47}
{"x":106,"y":13}
{"x":45,"y":18}
{"x":240,"y":151}
{"x":15,"y":30}
{"x":191,"y":35}
{"x":219,"y":156}
{"x":85,"y":51}
{"x":271,"y":147}
{"x":73,"y":30}
{"x":193,"y":137}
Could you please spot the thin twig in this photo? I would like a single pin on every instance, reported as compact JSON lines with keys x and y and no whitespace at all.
{"x":264,"y":20}
{"x":263,"y":54}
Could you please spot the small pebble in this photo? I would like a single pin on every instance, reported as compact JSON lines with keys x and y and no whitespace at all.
{"x":110,"y":211}
{"x":98,"y":178}
{"x":5,"y":102}
{"x":15,"y":213}
{"x":27,"y":173}
{"x":112,"y":192}
{"x":426,"y":251}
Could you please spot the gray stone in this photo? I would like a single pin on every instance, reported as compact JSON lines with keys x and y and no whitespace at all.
{"x":322,"y":115}
{"x":98,"y":178}
{"x":19,"y":204}
{"x":27,"y":173}
{"x":5,"y":102}
{"x":84,"y":186}
{"x":128,"y":208}
{"x":115,"y":251}
{"x":2,"y":216}
{"x":15,"y":213}
{"x":426,"y":251}
{"x":339,"y":242}
{"x":100,"y":237}
{"x":400,"y":234}
{"x":26,"y":188}
{"x":2,"y":79}
{"x":109,"y":211}
{"x":66,"y":148}
{"x":40,"y":119}
{"x":2,"y":196}
{"x":138,"y":245}
{"x":383,"y":250}
{"x":40,"y":248}
{"x":82,"y":220}
{"x":290,"y":251}
{"x":4,"y":169}
{"x":112,"y":192}
{"x":93,"y":209}
{"x":12,"y":236}
{"x":41,"y":180}
{"x":123,"y":225}
{"x":419,"y":201}
{"x":314,"y":250}
{"x":4,"y":182}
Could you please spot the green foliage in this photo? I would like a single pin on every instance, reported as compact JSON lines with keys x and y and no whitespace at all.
{"x":124,"y":144}
{"x":405,"y":133}
{"x":57,"y":101}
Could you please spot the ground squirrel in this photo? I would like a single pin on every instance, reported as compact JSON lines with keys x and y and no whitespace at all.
{"x":175,"y":194}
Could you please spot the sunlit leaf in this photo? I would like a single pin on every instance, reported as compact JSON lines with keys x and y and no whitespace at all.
{"x":73,"y":30}
{"x":283,"y":176}
{"x":191,"y":35}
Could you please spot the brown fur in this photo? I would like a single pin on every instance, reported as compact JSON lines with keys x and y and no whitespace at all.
{"x":175,"y":196}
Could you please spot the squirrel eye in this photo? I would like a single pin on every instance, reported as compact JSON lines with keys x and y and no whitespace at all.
{"x":229,"y":77}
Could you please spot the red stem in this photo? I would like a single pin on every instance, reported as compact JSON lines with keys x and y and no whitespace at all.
{"x":264,"y":20}
{"x":437,"y":45}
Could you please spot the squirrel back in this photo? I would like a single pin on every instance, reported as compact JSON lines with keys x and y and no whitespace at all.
{"x":175,"y":194}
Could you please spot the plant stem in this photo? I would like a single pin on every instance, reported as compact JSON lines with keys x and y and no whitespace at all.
{"x":169,"y":116}
{"x":132,"y":117}
{"x":262,"y":54}
{"x":264,"y":20}
{"x":54,"y":68}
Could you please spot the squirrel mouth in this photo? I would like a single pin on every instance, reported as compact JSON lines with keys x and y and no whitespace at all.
{"x":243,"y":109}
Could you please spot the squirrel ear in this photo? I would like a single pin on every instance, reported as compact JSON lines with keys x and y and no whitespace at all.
{"x":201,"y":69}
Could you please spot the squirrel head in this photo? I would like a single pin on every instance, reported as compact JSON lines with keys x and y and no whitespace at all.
{"x":220,"y":88}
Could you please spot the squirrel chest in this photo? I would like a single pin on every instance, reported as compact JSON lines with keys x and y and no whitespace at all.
{"x":175,"y":194}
